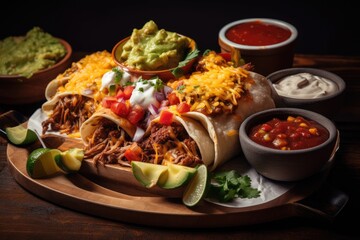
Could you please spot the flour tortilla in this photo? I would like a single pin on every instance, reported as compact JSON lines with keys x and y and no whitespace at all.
{"x":198,"y":133}
{"x":224,"y":129}
{"x":91,"y":124}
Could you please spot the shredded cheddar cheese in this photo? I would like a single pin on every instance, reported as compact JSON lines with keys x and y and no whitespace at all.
{"x":85,"y":75}
{"x":215,"y":88}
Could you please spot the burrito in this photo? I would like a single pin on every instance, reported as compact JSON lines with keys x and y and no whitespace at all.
{"x":220,"y":97}
{"x":109,"y":139}
{"x":76,"y":94}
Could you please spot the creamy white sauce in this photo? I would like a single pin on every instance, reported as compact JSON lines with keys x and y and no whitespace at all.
{"x":109,"y":77}
{"x":305,"y":86}
{"x":144,"y":94}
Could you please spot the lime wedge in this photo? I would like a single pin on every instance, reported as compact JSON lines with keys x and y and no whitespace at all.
{"x":148,"y":174}
{"x":177,"y":176}
{"x":196,"y":190}
{"x":41,"y":163}
{"x":70,"y":160}
{"x":19,"y":135}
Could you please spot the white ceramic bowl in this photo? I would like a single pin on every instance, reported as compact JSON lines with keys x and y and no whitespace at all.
{"x":266,"y":58}
{"x":327,"y":104}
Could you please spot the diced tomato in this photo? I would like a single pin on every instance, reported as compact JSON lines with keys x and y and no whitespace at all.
{"x":128,"y":91}
{"x":136,"y":114}
{"x":108,"y":101}
{"x":120,"y":109}
{"x":183,"y":107}
{"x":173,"y":99}
{"x":166,"y":117}
{"x":133,"y":153}
{"x":266,"y":127}
{"x":120,"y":94}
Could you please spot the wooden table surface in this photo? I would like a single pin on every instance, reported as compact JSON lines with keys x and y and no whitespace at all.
{"x":26,"y":216}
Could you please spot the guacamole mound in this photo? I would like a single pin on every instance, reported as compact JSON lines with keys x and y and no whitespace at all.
{"x":152,"y":49}
{"x":28,"y":54}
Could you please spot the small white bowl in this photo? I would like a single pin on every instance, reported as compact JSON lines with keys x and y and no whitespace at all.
{"x":327,"y":104}
{"x":268,"y":58}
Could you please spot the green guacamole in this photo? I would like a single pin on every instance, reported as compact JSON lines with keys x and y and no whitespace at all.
{"x":152,"y":49}
{"x":28,"y":54}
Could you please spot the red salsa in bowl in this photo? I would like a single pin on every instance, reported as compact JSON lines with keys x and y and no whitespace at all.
{"x":257,"y":33}
{"x":293,"y":133}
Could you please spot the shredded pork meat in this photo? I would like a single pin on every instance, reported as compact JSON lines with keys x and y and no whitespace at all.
{"x":172,"y":143}
{"x":69,"y":113}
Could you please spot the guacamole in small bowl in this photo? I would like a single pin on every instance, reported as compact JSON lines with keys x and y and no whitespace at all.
{"x":25,"y":55}
{"x":153,"y":49}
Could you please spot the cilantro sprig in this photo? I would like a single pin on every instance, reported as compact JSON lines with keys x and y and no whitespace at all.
{"x":178,"y":72}
{"x":227,"y":185}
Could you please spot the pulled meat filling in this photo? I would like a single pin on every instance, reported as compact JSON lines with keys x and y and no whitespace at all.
{"x":69,"y":113}
{"x":171,"y":143}
{"x":110,"y":144}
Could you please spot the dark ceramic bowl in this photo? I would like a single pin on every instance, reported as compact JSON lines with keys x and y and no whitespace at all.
{"x":17,"y":89}
{"x":287,"y":165}
{"x":326,"y":105}
{"x":164,"y":75}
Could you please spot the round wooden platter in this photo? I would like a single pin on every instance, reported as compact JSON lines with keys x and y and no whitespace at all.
{"x":112,"y":192}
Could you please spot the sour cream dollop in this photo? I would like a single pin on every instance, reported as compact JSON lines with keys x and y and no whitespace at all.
{"x":305,"y":86}
{"x":109,"y":79}
{"x":144,"y":93}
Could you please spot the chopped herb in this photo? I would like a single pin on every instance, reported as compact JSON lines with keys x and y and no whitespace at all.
{"x":180,"y":88}
{"x":158,"y":84}
{"x":141,"y":89}
{"x":227,"y":185}
{"x":118,"y":75}
{"x":196,"y":86}
{"x":112,"y":90}
{"x":128,"y":83}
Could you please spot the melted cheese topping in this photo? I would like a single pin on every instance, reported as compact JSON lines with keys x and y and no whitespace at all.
{"x":85,"y":75}
{"x":215,"y":88}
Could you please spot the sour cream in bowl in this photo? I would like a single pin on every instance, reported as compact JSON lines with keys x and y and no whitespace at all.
{"x":309,"y":88}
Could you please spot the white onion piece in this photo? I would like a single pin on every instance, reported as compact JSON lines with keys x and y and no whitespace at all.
{"x":139,"y":133}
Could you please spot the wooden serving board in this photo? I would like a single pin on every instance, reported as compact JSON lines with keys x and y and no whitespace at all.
{"x":112,"y":192}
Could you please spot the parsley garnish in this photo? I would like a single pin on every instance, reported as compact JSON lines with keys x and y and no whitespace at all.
{"x":227,"y":185}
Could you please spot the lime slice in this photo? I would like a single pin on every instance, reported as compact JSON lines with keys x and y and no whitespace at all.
{"x":41,"y":163}
{"x":177,"y":176}
{"x":148,"y":174}
{"x":19,"y":135}
{"x":70,"y":160}
{"x":196,"y":190}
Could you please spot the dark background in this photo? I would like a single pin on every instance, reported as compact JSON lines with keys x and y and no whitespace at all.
{"x":324,"y":27}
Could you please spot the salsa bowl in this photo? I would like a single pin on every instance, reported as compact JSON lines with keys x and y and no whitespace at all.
{"x":298,"y":154}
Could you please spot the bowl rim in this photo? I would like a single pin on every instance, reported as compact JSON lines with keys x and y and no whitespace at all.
{"x":292,"y":38}
{"x":64,"y":59}
{"x":269,"y":113}
{"x":193,"y":46}
{"x":339,"y":81}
